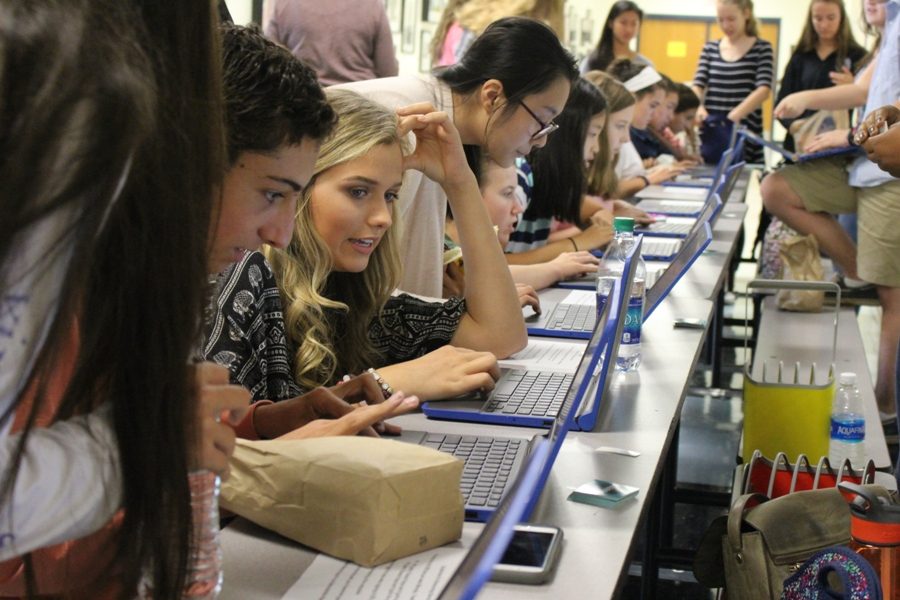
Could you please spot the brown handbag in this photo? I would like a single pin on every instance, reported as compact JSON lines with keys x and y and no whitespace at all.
{"x":762,"y":542}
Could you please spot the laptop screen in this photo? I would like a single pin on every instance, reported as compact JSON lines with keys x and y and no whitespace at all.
{"x":604,"y":340}
{"x":713,"y":203}
{"x":489,"y":546}
{"x":582,"y":378}
{"x":691,"y":248}
{"x":731,"y":177}
{"x":721,"y":166}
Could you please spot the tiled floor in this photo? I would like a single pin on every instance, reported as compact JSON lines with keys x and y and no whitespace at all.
{"x":711,"y":428}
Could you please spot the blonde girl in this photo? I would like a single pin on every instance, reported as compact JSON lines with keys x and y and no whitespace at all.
{"x":337,"y":275}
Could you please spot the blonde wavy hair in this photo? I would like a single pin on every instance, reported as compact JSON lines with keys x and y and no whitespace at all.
{"x":602,"y":179}
{"x":476,"y":15}
{"x":327,"y":314}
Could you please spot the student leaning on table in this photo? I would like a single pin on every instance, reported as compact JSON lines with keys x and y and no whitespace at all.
{"x":553,"y":180}
{"x":649,"y":92}
{"x":106,"y":132}
{"x":498,"y":192}
{"x":338,"y":274}
{"x":276,"y":117}
{"x":602,"y":180}
{"x":502,"y":98}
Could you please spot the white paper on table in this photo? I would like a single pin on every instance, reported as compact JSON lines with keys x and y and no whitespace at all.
{"x":546,"y":355}
{"x":418,"y":577}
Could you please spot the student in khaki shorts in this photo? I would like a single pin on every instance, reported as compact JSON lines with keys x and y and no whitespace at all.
{"x":805,"y":196}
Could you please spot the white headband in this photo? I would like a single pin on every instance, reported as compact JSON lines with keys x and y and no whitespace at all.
{"x":647,"y":77}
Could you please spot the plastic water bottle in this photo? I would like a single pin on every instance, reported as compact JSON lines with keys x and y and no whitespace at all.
{"x":611,"y":267}
{"x":848,"y":425}
{"x":204,"y":573}
{"x":204,"y":576}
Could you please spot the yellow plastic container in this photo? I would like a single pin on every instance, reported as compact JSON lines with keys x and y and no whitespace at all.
{"x":787,"y":417}
{"x":792,"y":417}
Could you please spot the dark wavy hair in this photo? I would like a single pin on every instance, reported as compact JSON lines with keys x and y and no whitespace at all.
{"x":271,"y":98}
{"x":687,"y":99}
{"x":602,"y":55}
{"x":139,"y":84}
{"x":560,"y":178}
{"x":523,"y":54}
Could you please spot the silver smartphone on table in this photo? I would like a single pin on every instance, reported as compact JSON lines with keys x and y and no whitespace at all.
{"x":531,"y":556}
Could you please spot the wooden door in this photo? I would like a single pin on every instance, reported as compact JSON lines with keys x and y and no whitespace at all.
{"x":673,"y":45}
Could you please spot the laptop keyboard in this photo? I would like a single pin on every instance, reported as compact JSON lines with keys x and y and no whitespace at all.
{"x":662,"y":227}
{"x":653,"y":276}
{"x":488,"y":464}
{"x":656,"y":247}
{"x":573,"y":317}
{"x":671,"y":207}
{"x":530,"y":393}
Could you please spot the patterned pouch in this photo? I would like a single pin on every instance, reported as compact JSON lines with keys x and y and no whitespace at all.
{"x":836,"y":573}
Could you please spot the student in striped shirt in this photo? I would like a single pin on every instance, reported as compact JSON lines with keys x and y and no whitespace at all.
{"x":734,"y":77}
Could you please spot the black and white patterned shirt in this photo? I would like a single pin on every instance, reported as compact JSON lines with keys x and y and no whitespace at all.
{"x":246,"y":333}
{"x":245,"y":329}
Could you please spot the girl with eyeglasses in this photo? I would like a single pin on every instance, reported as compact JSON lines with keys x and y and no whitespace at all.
{"x":503,"y":97}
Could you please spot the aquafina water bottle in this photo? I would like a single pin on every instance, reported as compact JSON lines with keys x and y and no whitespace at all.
{"x":611,"y":268}
{"x":848,"y":424}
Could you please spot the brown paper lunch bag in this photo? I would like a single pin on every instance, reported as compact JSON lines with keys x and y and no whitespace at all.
{"x":366,"y":500}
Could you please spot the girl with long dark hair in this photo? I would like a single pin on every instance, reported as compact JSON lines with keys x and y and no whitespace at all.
{"x":104,"y":264}
{"x":503,"y":97}
{"x":622,"y":25}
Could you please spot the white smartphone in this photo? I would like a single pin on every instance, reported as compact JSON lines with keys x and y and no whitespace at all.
{"x":531,"y":556}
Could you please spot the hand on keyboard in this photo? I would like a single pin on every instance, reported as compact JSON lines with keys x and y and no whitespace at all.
{"x":443,"y":373}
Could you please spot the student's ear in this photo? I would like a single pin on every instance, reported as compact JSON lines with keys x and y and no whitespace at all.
{"x":492,"y":96}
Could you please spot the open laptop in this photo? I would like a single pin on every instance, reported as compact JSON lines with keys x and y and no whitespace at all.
{"x":575,"y":315}
{"x":703,"y":174}
{"x":662,"y":276}
{"x":666,"y":247}
{"x":800,"y":157}
{"x":681,"y":227}
{"x":487,"y":550}
{"x":493,"y":462}
{"x":532,"y":398}
{"x":665,"y":250}
{"x":661,"y":281}
{"x":684,"y":206}
{"x":691,"y":185}
{"x":701,"y":179}
{"x":583,"y":417}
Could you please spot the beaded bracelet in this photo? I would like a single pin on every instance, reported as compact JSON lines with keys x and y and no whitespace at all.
{"x":644,"y":179}
{"x":574,"y":245}
{"x":386,"y":388}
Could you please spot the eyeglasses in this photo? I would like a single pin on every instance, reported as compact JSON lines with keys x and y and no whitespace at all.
{"x":546,"y":128}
